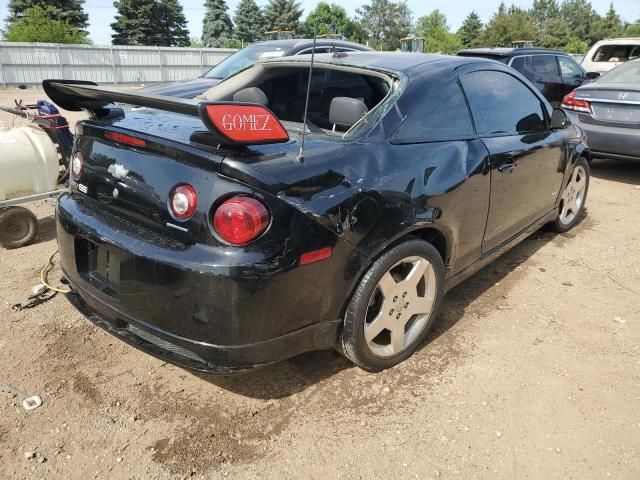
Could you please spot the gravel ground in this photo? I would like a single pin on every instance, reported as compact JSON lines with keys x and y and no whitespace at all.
{"x":533,"y":371}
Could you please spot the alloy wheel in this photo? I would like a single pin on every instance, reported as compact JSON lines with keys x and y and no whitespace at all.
{"x":400,"y":306}
{"x":573,"y":195}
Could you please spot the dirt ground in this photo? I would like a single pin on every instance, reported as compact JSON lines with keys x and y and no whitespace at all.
{"x":533,"y":371}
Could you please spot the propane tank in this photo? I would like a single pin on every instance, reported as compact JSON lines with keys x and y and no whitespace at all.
{"x":29,"y":161}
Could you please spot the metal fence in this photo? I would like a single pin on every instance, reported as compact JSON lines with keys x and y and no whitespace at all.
{"x":30,"y":63}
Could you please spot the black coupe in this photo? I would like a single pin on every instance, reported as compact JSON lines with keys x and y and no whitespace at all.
{"x":197,"y":230}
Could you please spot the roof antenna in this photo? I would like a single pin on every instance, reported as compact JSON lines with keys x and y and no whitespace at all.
{"x":306,"y":105}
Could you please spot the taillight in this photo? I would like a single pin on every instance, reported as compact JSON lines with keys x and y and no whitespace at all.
{"x":77,"y":165}
{"x":126,"y":139}
{"x":243,"y":124}
{"x":570,"y":102}
{"x":183,"y":201}
{"x":240,"y":220}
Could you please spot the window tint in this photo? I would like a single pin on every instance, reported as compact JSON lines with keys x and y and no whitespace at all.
{"x":443,"y":116}
{"x":500,"y":103}
{"x":536,"y":67}
{"x":569,"y":69}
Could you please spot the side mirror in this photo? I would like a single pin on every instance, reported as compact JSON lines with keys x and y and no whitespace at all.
{"x":592,"y":75}
{"x":559,"y":119}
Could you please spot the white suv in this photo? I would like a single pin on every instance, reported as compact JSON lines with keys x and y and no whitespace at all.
{"x":607,"y":54}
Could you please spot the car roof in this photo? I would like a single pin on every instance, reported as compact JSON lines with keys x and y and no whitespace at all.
{"x":302,"y":43}
{"x":508,"y":52}
{"x":393,"y":61}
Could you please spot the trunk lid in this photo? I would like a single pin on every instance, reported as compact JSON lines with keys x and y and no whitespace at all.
{"x":134,"y":183}
{"x":612,"y":103}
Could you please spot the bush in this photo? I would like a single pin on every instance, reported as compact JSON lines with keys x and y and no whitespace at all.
{"x":37,"y":25}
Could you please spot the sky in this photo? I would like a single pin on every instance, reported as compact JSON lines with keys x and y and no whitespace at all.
{"x":101,"y":12}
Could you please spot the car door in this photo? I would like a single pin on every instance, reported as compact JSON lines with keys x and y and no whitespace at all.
{"x":526,"y":157}
{"x":543,"y":72}
{"x":572,"y":74}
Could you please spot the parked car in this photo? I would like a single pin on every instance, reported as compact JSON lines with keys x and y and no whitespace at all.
{"x":247,"y":57}
{"x":608,"y":110}
{"x":552,"y":72}
{"x":197,"y":232}
{"x":608,"y":54}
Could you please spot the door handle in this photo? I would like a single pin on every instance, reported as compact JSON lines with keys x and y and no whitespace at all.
{"x":507,"y":166}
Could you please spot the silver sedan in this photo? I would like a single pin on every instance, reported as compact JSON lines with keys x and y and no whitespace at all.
{"x":608,"y":110}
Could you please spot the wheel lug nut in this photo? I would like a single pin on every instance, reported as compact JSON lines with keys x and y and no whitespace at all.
{"x":404,"y":295}
{"x":398,"y":316}
{"x":395,"y":299}
{"x":406,"y":305}
{"x":391,"y":312}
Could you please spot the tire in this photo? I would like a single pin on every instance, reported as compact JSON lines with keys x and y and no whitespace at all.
{"x":573,"y":198}
{"x":399,"y":273}
{"x":18,"y":227}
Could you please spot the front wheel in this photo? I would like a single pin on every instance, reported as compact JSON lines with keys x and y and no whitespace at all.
{"x":394,"y":306}
{"x":573,"y":197}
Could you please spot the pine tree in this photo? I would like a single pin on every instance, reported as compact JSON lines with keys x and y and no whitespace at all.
{"x":470,"y":30}
{"x":217,"y":27}
{"x":70,"y":11}
{"x":135,"y":23}
{"x":283,"y":15}
{"x":611,"y":25}
{"x":249,"y":22}
{"x":171,"y":24}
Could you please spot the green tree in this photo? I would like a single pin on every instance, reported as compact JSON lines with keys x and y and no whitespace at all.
{"x":554,"y":33}
{"x":611,"y":24}
{"x":575,"y":45}
{"x":37,"y":24}
{"x":582,"y":19}
{"x":438,"y":38}
{"x":69,"y":11}
{"x":545,"y":10}
{"x":282,"y":15}
{"x":249,"y":22}
{"x":633,"y":30}
{"x":217,"y":27}
{"x":331,"y":19}
{"x":507,"y":26}
{"x":134,"y":23}
{"x":385,"y":22}
{"x":470,"y":30}
{"x":171,"y":24}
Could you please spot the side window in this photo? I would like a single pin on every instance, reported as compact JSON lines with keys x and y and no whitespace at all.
{"x":523,"y":65}
{"x":308,"y":51}
{"x":443,"y":116}
{"x":502,"y":104}
{"x":569,"y":69}
{"x":544,"y":66}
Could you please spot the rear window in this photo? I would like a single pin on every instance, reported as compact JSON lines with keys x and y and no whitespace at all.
{"x":443,"y":116}
{"x":627,"y":73}
{"x":616,"y":53}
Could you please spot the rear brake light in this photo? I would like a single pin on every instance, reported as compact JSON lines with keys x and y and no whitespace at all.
{"x":183,"y":202}
{"x":126,"y":139}
{"x":77,"y":165}
{"x":240,"y":220}
{"x":570,"y":102}
{"x":243,"y":124}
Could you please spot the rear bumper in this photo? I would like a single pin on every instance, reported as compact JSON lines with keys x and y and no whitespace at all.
{"x":609,"y":141}
{"x":197,"y":306}
{"x":199,"y":356}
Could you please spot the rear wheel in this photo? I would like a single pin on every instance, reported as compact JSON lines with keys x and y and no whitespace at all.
{"x":394,"y":307}
{"x":573,"y":197}
{"x":18,"y":227}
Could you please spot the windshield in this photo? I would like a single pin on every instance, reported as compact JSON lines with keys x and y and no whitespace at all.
{"x":626,"y":73}
{"x":244,"y":58}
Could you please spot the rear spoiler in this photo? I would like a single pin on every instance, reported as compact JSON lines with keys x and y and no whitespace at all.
{"x":232,"y":123}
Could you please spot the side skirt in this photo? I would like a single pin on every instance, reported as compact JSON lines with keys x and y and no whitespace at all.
{"x":490,"y":256}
